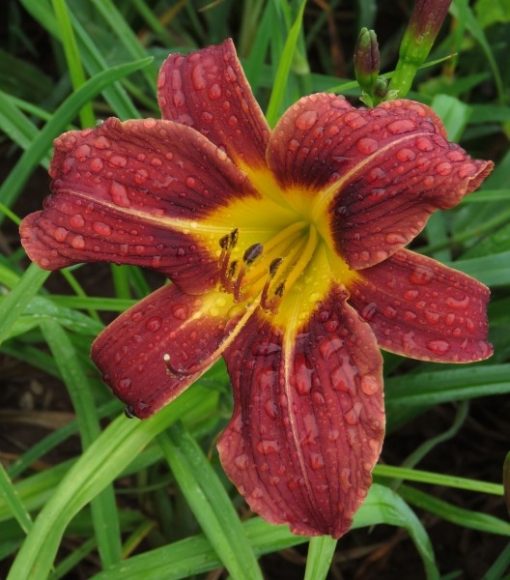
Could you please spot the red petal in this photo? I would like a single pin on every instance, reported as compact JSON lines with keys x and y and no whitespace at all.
{"x":387,"y":168}
{"x":208,"y":90}
{"x":419,"y":308}
{"x":130,"y":351}
{"x":309,"y":419}
{"x":302,"y":147}
{"x":131,"y":193}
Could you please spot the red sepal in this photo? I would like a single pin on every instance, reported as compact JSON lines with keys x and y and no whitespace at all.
{"x":208,"y":90}
{"x":131,"y":351}
{"x":421,"y":309}
{"x":308,"y":421}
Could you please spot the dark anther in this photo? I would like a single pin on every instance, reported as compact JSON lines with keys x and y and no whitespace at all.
{"x":273,"y":267}
{"x":232,"y":269}
{"x":129,"y":412}
{"x":224,"y":242}
{"x":280,"y":289}
{"x":234,"y":235}
{"x":252,"y":253}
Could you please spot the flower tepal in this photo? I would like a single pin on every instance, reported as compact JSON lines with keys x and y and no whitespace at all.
{"x":285,"y":250}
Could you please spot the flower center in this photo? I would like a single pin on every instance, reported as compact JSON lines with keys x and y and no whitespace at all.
{"x":266,"y":271}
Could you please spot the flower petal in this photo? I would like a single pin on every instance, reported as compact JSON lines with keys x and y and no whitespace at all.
{"x":309,"y":418}
{"x":139,"y":192}
{"x":131,"y":351}
{"x":378,"y":173}
{"x":421,"y":309}
{"x":209,"y":91}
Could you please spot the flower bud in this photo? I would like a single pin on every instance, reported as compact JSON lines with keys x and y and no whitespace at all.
{"x":366,"y":59}
{"x":421,"y":32}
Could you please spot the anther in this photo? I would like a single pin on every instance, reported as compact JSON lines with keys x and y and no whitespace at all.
{"x":280,"y":289}
{"x":232,"y":269}
{"x":234,"y":236}
{"x":252,"y":253}
{"x":273,"y":267}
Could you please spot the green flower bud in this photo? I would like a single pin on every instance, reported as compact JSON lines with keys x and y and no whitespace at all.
{"x":367,"y":59}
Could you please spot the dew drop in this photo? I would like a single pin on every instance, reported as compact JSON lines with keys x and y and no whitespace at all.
{"x":444,"y":168}
{"x":432,"y":317}
{"x":60,"y":234}
{"x":424,"y":144}
{"x":198,"y":77}
{"x":330,"y":345}
{"x":271,"y":409}
{"x":102,"y":143}
{"x":118,"y":161}
{"x":345,"y":482}
{"x":369,"y":385}
{"x":153,"y":324}
{"x":421,"y":275}
{"x":191,"y":182}
{"x":119,"y":194}
{"x":82,"y":152}
{"x":401,"y":126}
{"x":411,"y":294}
{"x":406,"y":154}
{"x":241,"y":461}
{"x":366,"y":145}
{"x":438,"y":346}
{"x":141,"y":176}
{"x":267,"y":446}
{"x":180,"y":312}
{"x":369,"y":311}
{"x":96,"y":165}
{"x":395,"y":238}
{"x":124,"y":384}
{"x":354,"y":120}
{"x":214,"y":92}
{"x":76,"y":221}
{"x":78,"y":243}
{"x":306,"y":120}
{"x":390,"y":312}
{"x":102,"y":229}
{"x":459,"y":304}
{"x":316,"y":461}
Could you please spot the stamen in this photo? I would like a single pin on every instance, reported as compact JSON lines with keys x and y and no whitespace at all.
{"x":252,"y":253}
{"x":273,"y":267}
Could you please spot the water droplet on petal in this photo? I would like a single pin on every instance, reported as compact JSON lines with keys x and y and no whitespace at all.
{"x":367,"y":145}
{"x":153,"y":324}
{"x":306,"y":120}
{"x":424,"y":144}
{"x":369,"y":385}
{"x":267,"y":446}
{"x":102,"y":229}
{"x":459,"y":304}
{"x":76,"y":221}
{"x":369,"y":311}
{"x":102,"y":143}
{"x":180,"y":312}
{"x":198,"y":77}
{"x":119,"y":194}
{"x":241,"y":461}
{"x":60,"y":234}
{"x":421,"y":275}
{"x":214,"y":92}
{"x":406,"y":154}
{"x":78,"y":243}
{"x":438,"y":346}
{"x":316,"y":461}
{"x":82,"y":152}
{"x":444,"y":168}
{"x":401,"y":126}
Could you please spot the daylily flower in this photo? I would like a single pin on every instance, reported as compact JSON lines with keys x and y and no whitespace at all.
{"x":285,"y":249}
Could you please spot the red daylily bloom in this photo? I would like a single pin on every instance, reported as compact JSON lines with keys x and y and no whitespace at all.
{"x":285,"y":250}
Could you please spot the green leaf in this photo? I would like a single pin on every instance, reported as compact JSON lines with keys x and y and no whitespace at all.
{"x":492,"y":11}
{"x":13,"y":501}
{"x":209,"y":502}
{"x":17,"y":178}
{"x":320,"y":554}
{"x":111,"y":452}
{"x":284,"y":65}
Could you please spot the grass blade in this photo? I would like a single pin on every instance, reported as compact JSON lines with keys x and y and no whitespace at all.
{"x":320,"y":554}
{"x":209,"y":502}
{"x":63,"y":116}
